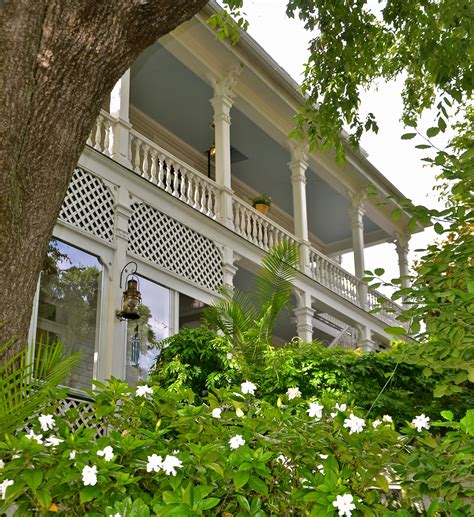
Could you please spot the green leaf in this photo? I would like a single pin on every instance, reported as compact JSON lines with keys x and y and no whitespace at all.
{"x":438,"y":228}
{"x":447,"y":415}
{"x":408,"y":136}
{"x":207,"y":504}
{"x":44,"y":497}
{"x":241,"y":478}
{"x":396,"y":214}
{"x":258,"y":485}
{"x":89,"y":493}
{"x":432,"y":131}
{"x":467,"y":423}
{"x":395,"y":331}
{"x":379,"y":271}
{"x":470,"y":286}
{"x":243,"y":502}
{"x":382,"y":482}
{"x":33,"y":478}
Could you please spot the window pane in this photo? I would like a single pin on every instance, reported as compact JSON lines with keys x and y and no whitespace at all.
{"x":68,"y":305}
{"x":144,"y":334}
{"x":190,"y":311}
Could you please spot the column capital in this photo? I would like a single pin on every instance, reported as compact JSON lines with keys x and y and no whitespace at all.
{"x":224,"y":87}
{"x":401,"y":242}
{"x":299,"y":151}
{"x":357,"y":209}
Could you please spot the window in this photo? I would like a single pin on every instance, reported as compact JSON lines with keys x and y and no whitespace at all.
{"x":190,"y":311}
{"x":68,"y":305}
{"x":144,"y":334}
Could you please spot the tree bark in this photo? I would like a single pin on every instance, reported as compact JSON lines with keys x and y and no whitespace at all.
{"x":59,"y":60}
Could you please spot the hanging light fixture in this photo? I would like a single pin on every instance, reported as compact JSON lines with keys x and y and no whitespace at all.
{"x":131,"y":298}
{"x":135,"y":348}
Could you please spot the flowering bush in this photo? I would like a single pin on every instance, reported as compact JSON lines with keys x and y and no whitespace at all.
{"x":234,"y":454}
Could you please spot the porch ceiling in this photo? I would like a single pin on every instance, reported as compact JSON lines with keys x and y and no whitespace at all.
{"x":171,"y":94}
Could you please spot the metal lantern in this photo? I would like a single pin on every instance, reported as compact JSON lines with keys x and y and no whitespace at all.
{"x":131,"y":298}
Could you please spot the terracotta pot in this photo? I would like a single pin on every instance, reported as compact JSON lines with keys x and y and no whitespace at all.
{"x":260,"y":207}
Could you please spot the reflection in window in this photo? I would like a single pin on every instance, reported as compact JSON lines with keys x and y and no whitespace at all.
{"x":68,"y":305}
{"x":190,"y":311}
{"x":144,"y":333}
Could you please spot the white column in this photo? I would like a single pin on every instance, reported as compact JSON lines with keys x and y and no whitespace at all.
{"x":298,"y":166}
{"x":402,"y":247}
{"x":114,"y":353}
{"x":222,"y":102}
{"x":357,"y":224}
{"x":304,"y":316}
{"x":364,"y":339}
{"x":119,"y":109}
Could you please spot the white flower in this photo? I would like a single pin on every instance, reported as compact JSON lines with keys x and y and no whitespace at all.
{"x":229,"y":356}
{"x":248,"y":387}
{"x":52,"y":441}
{"x":354,"y":424}
{"x":421,"y":422}
{"x":236,"y":441}
{"x":320,"y":467}
{"x":387,"y":418}
{"x":376,"y":423}
{"x":324,"y":456}
{"x":239,"y":413}
{"x":89,"y":475}
{"x":32,"y":436}
{"x":107,"y":453}
{"x":143,"y":391}
{"x":338,"y":407}
{"x":293,"y":393}
{"x":315,"y":410}
{"x":154,"y":463}
{"x":2,"y":464}
{"x":72,"y":455}
{"x":46,"y":422}
{"x":170,"y":463}
{"x":344,"y":503}
{"x":116,"y":515}
{"x":4,"y":486}
{"x":216,"y":412}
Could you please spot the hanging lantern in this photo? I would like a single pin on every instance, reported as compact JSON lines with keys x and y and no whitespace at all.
{"x":131,"y":298}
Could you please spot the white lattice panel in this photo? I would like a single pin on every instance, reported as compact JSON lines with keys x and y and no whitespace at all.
{"x":86,"y":416}
{"x":168,"y":243}
{"x":89,"y":205}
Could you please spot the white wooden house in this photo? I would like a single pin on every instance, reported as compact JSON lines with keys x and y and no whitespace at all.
{"x":146,"y":189}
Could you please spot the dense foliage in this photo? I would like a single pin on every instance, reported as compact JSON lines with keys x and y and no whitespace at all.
{"x":232,"y":454}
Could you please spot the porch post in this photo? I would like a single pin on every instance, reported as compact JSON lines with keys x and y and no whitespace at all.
{"x":229,"y":269}
{"x":298,"y":166}
{"x":402,"y":247}
{"x":364,"y":338}
{"x":357,"y":224}
{"x":119,"y":109}
{"x":222,"y":102}
{"x":304,"y":316}
{"x":114,"y":354}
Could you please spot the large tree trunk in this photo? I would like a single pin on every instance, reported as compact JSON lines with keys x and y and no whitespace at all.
{"x":59,"y":59}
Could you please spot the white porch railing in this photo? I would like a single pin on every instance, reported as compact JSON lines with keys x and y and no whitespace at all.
{"x":333,"y":276}
{"x":256,"y":228}
{"x":152,"y":162}
{"x":388,"y":309}
{"x":100,"y":137}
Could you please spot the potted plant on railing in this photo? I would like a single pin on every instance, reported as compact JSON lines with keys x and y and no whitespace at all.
{"x":261,"y":203}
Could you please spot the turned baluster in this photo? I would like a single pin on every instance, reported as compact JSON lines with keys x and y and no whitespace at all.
{"x":175,"y":179}
{"x":161,"y":172}
{"x":182,"y":184}
{"x":108,"y":129}
{"x":168,"y":176}
{"x":154,"y":158}
{"x":138,"y":145}
{"x":98,"y":133}
{"x":189,"y":193}
{"x":146,"y":150}
{"x":203,"y":197}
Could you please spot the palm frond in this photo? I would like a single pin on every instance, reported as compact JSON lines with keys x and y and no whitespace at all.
{"x":26,"y":381}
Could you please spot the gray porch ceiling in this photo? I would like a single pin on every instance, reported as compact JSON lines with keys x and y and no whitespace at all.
{"x":171,"y":94}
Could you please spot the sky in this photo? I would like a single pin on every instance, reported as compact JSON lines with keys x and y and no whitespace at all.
{"x":286,"y":41}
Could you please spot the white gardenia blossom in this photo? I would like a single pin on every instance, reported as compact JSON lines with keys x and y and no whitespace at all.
{"x":154,"y":463}
{"x":236,"y":441}
{"x":4,"y":485}
{"x":421,"y":422}
{"x":107,"y":453}
{"x":169,"y":465}
{"x":32,"y":436}
{"x":376,"y":423}
{"x":315,"y":410}
{"x":338,"y":408}
{"x":229,"y":356}
{"x":248,"y":387}
{"x":354,"y":424}
{"x":388,"y":419}
{"x":52,"y":441}
{"x":216,"y":412}
{"x":89,"y":475}
{"x":46,"y":422}
{"x":143,"y":391}
{"x":293,"y":393}
{"x":72,"y":455}
{"x":2,"y":464}
{"x":345,"y":505}
{"x":324,"y":456}
{"x":239,"y":412}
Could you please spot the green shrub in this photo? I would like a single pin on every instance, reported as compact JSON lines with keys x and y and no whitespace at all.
{"x":233,"y":454}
